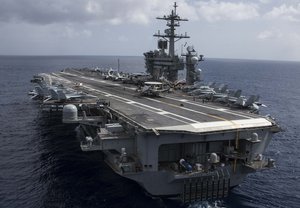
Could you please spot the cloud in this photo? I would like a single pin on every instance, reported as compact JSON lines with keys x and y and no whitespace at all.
{"x":119,"y":11}
{"x":213,"y":11}
{"x":285,"y":12}
{"x":269,"y":34}
{"x":69,"y":32}
{"x":81,"y":11}
{"x":122,"y":38}
{"x":43,"y":12}
{"x":265,"y":1}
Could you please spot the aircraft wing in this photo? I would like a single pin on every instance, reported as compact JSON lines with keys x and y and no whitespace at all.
{"x":232,"y":99}
{"x":78,"y":96}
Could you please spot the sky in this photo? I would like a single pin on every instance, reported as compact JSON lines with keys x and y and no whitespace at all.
{"x":239,"y":29}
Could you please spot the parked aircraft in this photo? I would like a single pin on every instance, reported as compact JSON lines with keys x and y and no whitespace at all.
{"x":152,"y":89}
{"x":245,"y":102}
{"x":251,"y":103}
{"x":61,"y":95}
{"x":229,"y":97}
{"x":202,"y":90}
{"x":197,"y":85}
{"x":56,"y":92}
{"x":137,"y":78}
{"x":221,"y":88}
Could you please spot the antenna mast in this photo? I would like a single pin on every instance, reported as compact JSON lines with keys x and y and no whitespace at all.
{"x":173,"y":20}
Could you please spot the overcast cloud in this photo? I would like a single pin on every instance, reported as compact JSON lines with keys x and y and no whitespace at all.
{"x":258,"y":29}
{"x":80,"y":11}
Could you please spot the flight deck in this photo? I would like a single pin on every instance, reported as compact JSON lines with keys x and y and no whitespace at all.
{"x":169,"y":112}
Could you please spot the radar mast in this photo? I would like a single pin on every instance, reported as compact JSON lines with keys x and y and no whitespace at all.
{"x":173,"y":20}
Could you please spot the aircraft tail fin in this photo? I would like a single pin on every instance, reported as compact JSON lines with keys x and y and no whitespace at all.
{"x":250,"y":100}
{"x":61,"y":95}
{"x":237,"y":93}
{"x":239,"y":101}
{"x":39,"y":91}
{"x":53,"y":94}
{"x":221,"y":88}
{"x":224,"y":88}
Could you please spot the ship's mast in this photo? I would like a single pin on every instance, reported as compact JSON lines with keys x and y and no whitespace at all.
{"x":173,"y":20}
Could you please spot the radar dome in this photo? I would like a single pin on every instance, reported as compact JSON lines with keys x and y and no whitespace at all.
{"x":194,"y":59}
{"x":70,"y":113}
{"x":198,"y":71}
{"x":254,"y":137}
{"x":214,"y":158}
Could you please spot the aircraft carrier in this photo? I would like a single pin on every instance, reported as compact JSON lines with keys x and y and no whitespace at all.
{"x":171,"y":144}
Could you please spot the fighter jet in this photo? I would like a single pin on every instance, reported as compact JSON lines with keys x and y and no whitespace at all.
{"x":43,"y":91}
{"x":137,"y":78}
{"x":197,"y":85}
{"x":221,"y":88}
{"x":229,"y":97}
{"x":60,"y":95}
{"x":119,"y":76}
{"x":202,"y":90}
{"x":110,"y":74}
{"x":245,"y":102}
{"x":251,"y":103}
{"x":39,"y":93}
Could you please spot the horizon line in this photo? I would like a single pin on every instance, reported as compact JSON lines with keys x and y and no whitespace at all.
{"x":60,"y":55}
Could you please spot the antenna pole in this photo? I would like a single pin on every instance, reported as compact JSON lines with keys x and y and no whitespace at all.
{"x":173,"y":21}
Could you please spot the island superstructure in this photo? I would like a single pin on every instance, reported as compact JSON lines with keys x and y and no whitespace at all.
{"x":171,"y":144}
{"x":163,"y":64}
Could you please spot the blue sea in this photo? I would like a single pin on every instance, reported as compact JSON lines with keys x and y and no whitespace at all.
{"x":41,"y":164}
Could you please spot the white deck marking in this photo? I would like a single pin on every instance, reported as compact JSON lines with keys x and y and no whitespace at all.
{"x":160,"y":111}
{"x":157,"y":110}
{"x":145,"y":107}
{"x":222,"y":109}
{"x":131,"y":102}
{"x":195,"y":111}
{"x":208,"y":107}
{"x":163,"y":113}
{"x":202,"y":113}
{"x":182,"y":117}
{"x":176,"y":115}
{"x":158,"y":101}
{"x":220,"y":125}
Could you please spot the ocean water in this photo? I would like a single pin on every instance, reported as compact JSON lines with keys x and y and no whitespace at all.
{"x":41,"y":164}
